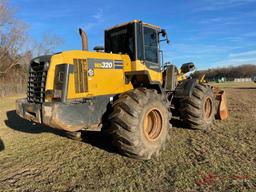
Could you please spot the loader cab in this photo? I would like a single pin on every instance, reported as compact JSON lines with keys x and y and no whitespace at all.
{"x":137,"y":39}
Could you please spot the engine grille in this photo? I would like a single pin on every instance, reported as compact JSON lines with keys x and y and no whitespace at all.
{"x":37,"y":80}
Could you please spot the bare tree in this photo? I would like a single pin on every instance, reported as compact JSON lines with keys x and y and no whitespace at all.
{"x":47,"y":45}
{"x":4,"y":13}
{"x":15,"y":43}
{"x":17,"y":49}
{"x":12,"y":38}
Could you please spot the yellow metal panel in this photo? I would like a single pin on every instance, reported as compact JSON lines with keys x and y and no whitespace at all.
{"x":56,"y":59}
{"x":140,"y":66}
{"x":104,"y":81}
{"x":81,"y":75}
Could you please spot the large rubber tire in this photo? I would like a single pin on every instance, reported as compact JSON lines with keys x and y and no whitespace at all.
{"x":139,"y":123}
{"x":1,"y":145}
{"x":197,"y":112}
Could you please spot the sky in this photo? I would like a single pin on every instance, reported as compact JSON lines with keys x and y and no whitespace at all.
{"x":210,"y":33}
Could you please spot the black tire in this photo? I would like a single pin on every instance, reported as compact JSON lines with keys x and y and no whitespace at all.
{"x":197,"y":112}
{"x":134,"y":133}
{"x":1,"y":145}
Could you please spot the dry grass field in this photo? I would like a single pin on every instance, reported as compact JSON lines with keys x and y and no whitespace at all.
{"x":38,"y":158}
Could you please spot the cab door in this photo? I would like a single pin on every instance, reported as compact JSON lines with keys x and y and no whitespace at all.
{"x":151,"y":48}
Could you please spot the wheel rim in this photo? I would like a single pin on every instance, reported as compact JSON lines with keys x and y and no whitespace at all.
{"x":153,"y":124}
{"x":208,"y":108}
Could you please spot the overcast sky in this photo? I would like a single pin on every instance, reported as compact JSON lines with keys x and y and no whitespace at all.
{"x":210,"y":33}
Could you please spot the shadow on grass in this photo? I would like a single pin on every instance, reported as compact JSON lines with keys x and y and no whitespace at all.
{"x":99,"y":139}
{"x":179,"y":124}
{"x":1,"y":145}
{"x":17,"y":123}
{"x":95,"y":138}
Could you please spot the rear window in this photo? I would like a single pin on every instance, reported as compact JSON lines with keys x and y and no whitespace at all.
{"x":121,"y":40}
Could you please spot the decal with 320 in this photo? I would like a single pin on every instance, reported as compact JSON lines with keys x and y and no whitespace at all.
{"x":105,"y":64}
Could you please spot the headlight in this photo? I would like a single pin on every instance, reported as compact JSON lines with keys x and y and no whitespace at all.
{"x":57,"y":94}
{"x":48,"y":95}
{"x":46,"y":66}
{"x":53,"y":94}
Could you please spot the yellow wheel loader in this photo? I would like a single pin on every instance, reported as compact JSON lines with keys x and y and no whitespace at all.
{"x":124,"y":83}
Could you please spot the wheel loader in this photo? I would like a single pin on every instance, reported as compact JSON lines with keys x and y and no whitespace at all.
{"x":124,"y":85}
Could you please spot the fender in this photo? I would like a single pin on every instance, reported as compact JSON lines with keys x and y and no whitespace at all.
{"x":185,"y":88}
{"x":142,"y":77}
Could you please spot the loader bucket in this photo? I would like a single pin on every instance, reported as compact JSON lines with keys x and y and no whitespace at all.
{"x":222,"y":107}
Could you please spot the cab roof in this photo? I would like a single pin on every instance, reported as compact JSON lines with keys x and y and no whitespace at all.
{"x":133,"y":21}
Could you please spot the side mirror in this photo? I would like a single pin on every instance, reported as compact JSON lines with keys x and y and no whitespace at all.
{"x":187,"y":67}
{"x":163,"y":31}
{"x":164,"y":35}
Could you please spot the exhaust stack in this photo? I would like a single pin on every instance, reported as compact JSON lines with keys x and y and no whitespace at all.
{"x":84,"y":37}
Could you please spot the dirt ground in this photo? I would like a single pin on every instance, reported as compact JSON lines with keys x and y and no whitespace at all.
{"x":38,"y":158}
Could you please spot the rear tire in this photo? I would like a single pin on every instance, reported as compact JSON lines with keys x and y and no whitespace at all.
{"x":139,"y":123}
{"x":1,"y":145}
{"x":198,"y":111}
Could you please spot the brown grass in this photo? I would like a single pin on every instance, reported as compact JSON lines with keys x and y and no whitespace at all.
{"x":38,"y":158}
{"x":15,"y":82}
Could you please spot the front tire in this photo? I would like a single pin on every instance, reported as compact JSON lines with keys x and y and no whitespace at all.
{"x":139,"y":123}
{"x":197,"y":112}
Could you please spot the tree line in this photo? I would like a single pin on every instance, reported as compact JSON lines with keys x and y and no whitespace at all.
{"x":229,"y":73}
{"x":17,"y":48}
